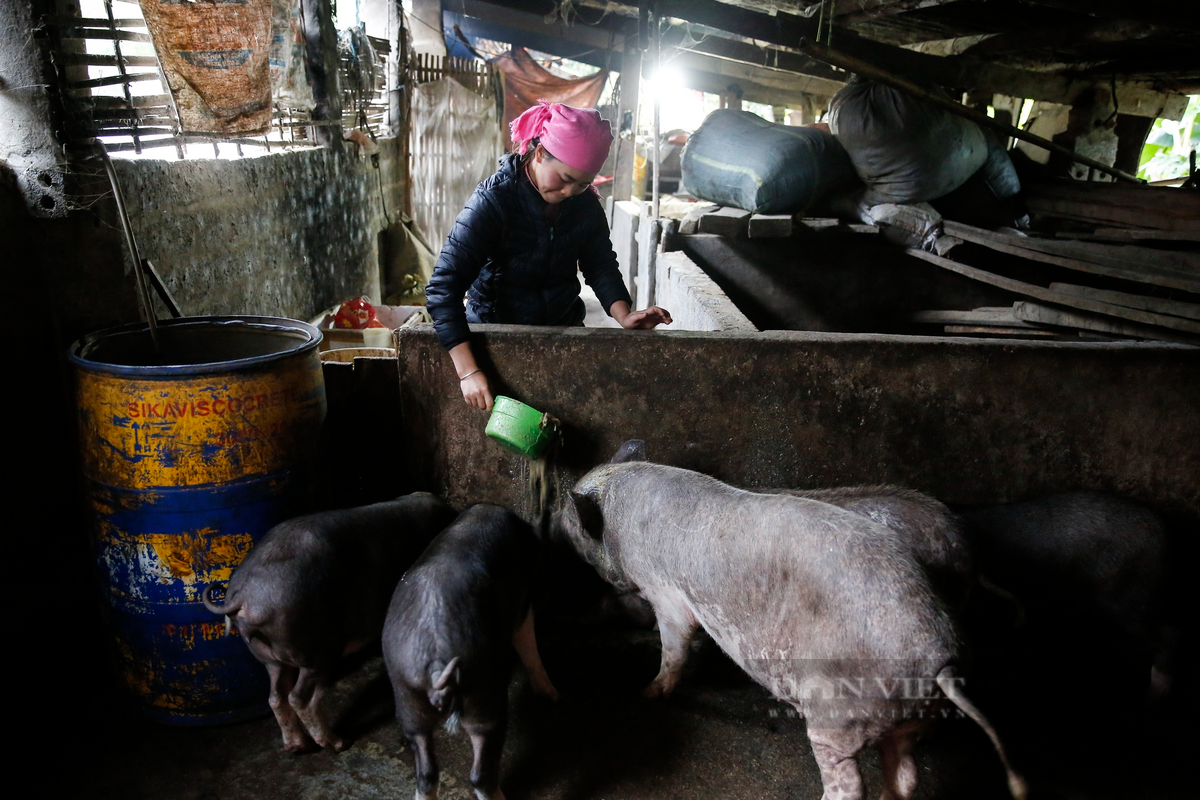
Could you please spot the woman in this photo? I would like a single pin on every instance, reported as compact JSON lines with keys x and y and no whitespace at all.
{"x":515,"y":247}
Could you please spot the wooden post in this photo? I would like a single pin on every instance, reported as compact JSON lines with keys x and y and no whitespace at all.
{"x":631,"y":77}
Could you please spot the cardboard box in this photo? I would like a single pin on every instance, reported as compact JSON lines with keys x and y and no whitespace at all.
{"x":391,"y":316}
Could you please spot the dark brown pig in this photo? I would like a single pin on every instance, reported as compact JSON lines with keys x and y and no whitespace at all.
{"x":316,"y":588}
{"x":829,"y":610}
{"x":455,"y":618}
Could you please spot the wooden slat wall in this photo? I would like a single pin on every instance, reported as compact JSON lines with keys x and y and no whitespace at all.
{"x":431,"y":155}
{"x":479,"y":77}
{"x":133,"y":122}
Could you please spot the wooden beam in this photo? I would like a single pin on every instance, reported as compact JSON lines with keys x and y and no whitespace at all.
{"x":848,"y":12}
{"x":770,"y":226}
{"x":759,"y":85}
{"x":1059,"y":298}
{"x":1176,"y":308}
{"x":772,"y":58}
{"x":1180,"y":16}
{"x":1131,"y":235}
{"x":631,"y":68}
{"x":1065,"y":318}
{"x":787,"y":30}
{"x":521,"y":16}
{"x":1139,"y":98}
{"x":979,"y":317}
{"x":1138,"y":265}
{"x":1022,"y":43}
{"x":1106,"y":204}
{"x":725,"y":221}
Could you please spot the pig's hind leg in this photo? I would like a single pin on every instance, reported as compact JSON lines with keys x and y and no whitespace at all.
{"x":676,"y":626}
{"x":427,"y":766}
{"x":487,"y":740}
{"x":899,"y":768}
{"x":306,"y":697}
{"x":836,"y":752}
{"x":417,"y":719}
{"x":283,"y":678}
{"x":525,"y":642}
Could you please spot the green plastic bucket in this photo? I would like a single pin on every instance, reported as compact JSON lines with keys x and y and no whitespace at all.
{"x":521,"y":428}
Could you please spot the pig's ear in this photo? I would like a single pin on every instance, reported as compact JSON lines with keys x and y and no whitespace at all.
{"x":632,"y":450}
{"x":591,"y":518}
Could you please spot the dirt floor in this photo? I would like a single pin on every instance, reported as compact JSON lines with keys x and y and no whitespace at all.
{"x":718,"y":736}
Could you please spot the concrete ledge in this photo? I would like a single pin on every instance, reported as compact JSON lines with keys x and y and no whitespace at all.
{"x":696,"y":303}
{"x":968,"y":421}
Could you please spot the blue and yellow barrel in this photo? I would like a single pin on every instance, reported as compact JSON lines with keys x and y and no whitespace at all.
{"x":189,"y":458}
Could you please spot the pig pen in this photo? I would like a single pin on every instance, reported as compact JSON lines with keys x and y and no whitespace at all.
{"x":966,"y":421}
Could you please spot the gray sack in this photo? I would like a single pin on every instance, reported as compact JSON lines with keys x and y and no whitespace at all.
{"x":739,"y":159}
{"x":904,"y":149}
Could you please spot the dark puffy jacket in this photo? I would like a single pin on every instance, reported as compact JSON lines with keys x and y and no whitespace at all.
{"x":520,"y":268}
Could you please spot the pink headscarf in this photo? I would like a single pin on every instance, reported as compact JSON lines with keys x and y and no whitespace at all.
{"x":578,"y":137}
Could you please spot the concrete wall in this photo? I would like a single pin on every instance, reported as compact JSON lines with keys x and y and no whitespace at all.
{"x":970,"y":422}
{"x":285,"y":234}
{"x":26,"y":135}
{"x":695,"y":301}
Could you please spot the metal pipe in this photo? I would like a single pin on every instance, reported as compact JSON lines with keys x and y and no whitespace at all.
{"x":656,"y":127}
{"x":655,"y":228}
{"x":143,"y":288}
{"x":867,"y":70}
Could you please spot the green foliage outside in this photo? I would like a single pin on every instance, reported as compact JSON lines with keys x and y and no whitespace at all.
{"x":1169,"y":144}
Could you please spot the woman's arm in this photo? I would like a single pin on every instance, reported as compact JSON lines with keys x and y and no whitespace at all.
{"x":471,"y":380}
{"x":644,"y":320}
{"x":474,"y":236}
{"x":599,"y":265}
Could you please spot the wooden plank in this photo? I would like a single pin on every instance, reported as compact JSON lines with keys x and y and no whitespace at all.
{"x":1171,"y":278}
{"x":1060,"y":298}
{"x":833,"y":223}
{"x":1114,"y":255}
{"x":1133,"y":235}
{"x":1157,"y":208}
{"x":770,"y":226}
{"x":725,"y":221}
{"x":690,"y":223}
{"x":1025,"y":331}
{"x":1176,"y":308}
{"x":1066,"y":318}
{"x":980,"y":317}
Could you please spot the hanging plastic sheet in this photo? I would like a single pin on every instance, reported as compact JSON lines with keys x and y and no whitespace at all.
{"x":526,"y":82}
{"x":456,"y":143}
{"x":215,"y":55}
{"x":289,"y":83}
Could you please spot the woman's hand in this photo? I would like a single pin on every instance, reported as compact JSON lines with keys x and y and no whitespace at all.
{"x":644,"y":320}
{"x":476,"y":392}
{"x":471,"y":379}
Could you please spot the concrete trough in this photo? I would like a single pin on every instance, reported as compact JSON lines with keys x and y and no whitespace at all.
{"x":969,"y":421}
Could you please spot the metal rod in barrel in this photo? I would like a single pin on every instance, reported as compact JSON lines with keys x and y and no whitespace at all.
{"x":143,"y":287}
{"x":868,"y":70}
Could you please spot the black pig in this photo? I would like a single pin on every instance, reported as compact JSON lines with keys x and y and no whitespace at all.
{"x":316,"y":588}
{"x":454,"y":620}
{"x":1081,"y":555}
